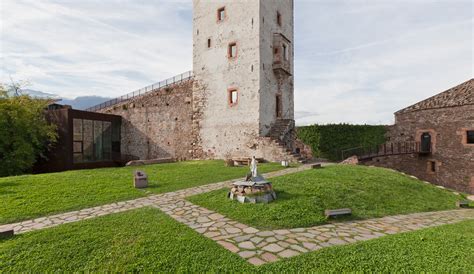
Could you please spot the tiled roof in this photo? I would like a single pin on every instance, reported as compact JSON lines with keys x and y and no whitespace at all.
{"x":460,"y":95}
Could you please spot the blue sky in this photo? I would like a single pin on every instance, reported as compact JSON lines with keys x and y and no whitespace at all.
{"x":355,"y":61}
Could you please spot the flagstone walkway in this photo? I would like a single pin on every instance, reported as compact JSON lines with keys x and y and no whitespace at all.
{"x":256,"y":246}
{"x":88,"y":213}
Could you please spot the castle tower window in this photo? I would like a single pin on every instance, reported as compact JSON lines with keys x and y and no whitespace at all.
{"x":470,"y":136}
{"x":431,"y":166}
{"x":209,"y":43}
{"x":221,"y":14}
{"x":232,"y":51}
{"x":278,"y":106}
{"x":285,"y":52}
{"x":279,"y":18}
{"x":233,"y":97}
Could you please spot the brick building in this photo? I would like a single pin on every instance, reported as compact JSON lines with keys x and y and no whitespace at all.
{"x":443,"y":129}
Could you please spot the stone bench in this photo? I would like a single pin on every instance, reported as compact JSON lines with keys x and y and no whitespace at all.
{"x":331,"y":213}
{"x":245,"y":161}
{"x":462,"y":204}
{"x":6,"y":233}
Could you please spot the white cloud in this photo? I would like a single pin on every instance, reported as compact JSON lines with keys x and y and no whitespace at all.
{"x":88,"y":48}
{"x":362,"y":66}
{"x":356,"y":60}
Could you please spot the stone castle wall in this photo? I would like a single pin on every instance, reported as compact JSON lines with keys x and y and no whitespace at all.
{"x":167,"y":124}
{"x":453,"y":158}
{"x":198,"y":119}
{"x":158,"y":125}
{"x":226,"y":129}
{"x":271,"y":83}
{"x":234,"y":129}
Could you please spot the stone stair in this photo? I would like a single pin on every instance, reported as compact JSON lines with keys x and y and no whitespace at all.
{"x":282,"y":135}
{"x":279,"y":128}
{"x":292,"y":156}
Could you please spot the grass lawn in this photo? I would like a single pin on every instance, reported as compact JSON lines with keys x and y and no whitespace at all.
{"x":302,"y":197}
{"x":148,"y":240}
{"x":443,"y":249}
{"x":30,"y":196}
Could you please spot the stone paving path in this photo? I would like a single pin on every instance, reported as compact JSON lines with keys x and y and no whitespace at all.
{"x":257,"y":246}
{"x":88,"y":213}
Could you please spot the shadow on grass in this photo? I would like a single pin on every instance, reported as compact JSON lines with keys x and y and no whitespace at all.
{"x":285,"y":196}
{"x":3,"y":187}
{"x":153,"y":185}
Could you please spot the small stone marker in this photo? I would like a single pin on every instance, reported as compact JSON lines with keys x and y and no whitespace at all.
{"x":331,"y":213}
{"x":462,"y":204}
{"x":316,"y":166}
{"x":5,"y":234}
{"x":140,"y":179}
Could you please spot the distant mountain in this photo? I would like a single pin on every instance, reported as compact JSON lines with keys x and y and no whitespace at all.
{"x":81,"y":102}
{"x":84,"y":102}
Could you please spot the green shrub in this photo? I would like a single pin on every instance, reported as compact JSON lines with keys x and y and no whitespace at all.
{"x":328,"y":141}
{"x":24,"y":132}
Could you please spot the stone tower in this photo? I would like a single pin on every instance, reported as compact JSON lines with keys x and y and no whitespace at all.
{"x":243,"y":71}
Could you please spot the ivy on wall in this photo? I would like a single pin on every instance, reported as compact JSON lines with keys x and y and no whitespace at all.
{"x":328,"y":141}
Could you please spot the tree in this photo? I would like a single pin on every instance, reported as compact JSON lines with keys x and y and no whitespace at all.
{"x":25,"y":135}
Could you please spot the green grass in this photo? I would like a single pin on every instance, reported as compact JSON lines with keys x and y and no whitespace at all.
{"x":444,"y":249}
{"x":302,"y":197}
{"x":30,"y":196}
{"x":148,"y":240}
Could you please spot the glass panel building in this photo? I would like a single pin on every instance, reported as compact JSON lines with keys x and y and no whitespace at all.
{"x":93,"y":140}
{"x":86,"y":140}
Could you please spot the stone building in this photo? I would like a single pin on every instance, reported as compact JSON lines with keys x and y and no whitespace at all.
{"x":442,"y":127}
{"x":238,"y":101}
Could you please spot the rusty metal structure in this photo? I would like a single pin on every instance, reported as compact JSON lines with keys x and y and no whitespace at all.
{"x":85,"y":140}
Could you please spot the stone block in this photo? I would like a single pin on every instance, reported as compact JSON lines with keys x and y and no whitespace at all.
{"x":462,"y":204}
{"x":6,"y":233}
{"x":140,"y":179}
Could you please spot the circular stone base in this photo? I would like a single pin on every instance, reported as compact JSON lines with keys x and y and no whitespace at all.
{"x":253,"y":199}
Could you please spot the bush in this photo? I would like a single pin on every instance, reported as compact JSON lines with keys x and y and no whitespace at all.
{"x":24,"y":132}
{"x":328,"y":141}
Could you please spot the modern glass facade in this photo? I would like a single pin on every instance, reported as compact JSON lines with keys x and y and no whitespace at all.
{"x":94,"y":140}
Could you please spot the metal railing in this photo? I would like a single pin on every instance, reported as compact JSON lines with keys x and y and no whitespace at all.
{"x":148,"y":89}
{"x":386,"y":149}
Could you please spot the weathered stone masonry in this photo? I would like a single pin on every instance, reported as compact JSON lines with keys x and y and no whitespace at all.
{"x":446,"y":117}
{"x":159,"y":124}
{"x":238,"y":47}
{"x":167,"y":123}
{"x":239,"y":102}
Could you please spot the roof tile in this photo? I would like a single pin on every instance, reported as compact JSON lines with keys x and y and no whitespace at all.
{"x":460,"y":95}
